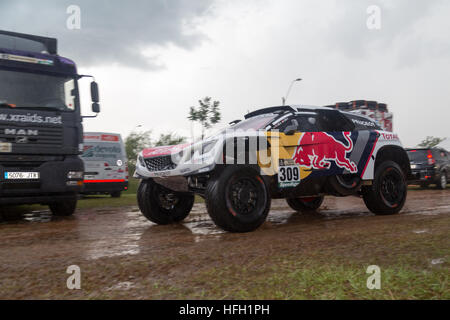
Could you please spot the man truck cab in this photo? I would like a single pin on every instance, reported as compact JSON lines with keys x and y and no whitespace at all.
{"x":40,"y":124}
{"x":105,"y":164}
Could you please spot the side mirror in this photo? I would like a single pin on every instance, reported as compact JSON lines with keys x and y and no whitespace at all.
{"x":95,"y":107}
{"x":94,"y":92}
{"x":290,"y":130}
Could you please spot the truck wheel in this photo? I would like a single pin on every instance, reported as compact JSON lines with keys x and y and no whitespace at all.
{"x":116,"y":194}
{"x":305,"y":204}
{"x":63,"y":208}
{"x":238,"y":200}
{"x":387,"y":195}
{"x":161,"y":205}
{"x":442,"y":184}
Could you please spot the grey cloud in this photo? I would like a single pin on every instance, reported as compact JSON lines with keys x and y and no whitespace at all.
{"x":112,"y":31}
{"x":349,"y":34}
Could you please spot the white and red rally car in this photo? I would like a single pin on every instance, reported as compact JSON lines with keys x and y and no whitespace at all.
{"x":294,"y":152}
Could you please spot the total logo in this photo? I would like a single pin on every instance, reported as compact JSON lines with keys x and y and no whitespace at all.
{"x":317,"y":149}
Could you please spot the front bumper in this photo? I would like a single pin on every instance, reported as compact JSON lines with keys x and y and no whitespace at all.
{"x":423,"y":175}
{"x":51,"y":185}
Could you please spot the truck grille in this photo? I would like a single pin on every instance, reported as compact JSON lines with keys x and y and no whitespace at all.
{"x":160,"y":163}
{"x":50,"y":137}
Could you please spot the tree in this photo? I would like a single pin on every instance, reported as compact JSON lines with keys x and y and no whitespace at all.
{"x":169,"y":139}
{"x":430,"y":142}
{"x":134,"y":144}
{"x":137,"y":141}
{"x":207,"y":114}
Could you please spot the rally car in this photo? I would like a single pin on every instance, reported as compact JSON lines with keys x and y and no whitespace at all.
{"x":298,"y":153}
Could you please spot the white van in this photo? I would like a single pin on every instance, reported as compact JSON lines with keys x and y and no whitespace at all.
{"x":105,"y":164}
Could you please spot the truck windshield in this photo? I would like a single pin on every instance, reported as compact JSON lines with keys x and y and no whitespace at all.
{"x":30,"y":90}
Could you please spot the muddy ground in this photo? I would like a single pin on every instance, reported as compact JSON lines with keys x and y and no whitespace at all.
{"x":320,"y":255}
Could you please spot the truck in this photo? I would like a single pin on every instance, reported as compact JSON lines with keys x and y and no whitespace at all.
{"x":298,"y":153}
{"x":41,"y":130}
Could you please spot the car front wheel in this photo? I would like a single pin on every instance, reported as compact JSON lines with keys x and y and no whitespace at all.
{"x":387,"y":195}
{"x":161,"y":205}
{"x":238,"y":199}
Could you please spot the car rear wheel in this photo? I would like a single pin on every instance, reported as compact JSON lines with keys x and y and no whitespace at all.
{"x":161,"y":205}
{"x":63,"y":208}
{"x":238,"y":199}
{"x":387,"y":195}
{"x":305,"y":204}
{"x":442,"y":184}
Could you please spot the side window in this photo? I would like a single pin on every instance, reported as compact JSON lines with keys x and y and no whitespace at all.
{"x":333,"y":121}
{"x":304,"y":123}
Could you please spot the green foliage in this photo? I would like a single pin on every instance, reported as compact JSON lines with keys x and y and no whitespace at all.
{"x":430,"y":142}
{"x":134,"y":144}
{"x":169,"y":139}
{"x":207,"y":114}
{"x":137,"y":141}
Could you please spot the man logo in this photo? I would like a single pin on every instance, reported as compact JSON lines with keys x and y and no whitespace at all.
{"x":21,"y":132}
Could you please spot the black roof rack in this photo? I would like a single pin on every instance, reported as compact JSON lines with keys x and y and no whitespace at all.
{"x":269,"y":110}
{"x":11,"y":42}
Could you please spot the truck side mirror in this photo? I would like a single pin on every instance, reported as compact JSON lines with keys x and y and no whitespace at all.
{"x":95,"y":107}
{"x":94,"y":92}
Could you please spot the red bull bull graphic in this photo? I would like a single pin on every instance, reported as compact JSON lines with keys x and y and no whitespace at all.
{"x":316,"y":150}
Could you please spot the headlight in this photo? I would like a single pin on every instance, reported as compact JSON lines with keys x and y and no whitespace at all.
{"x":75,"y":175}
{"x":141,"y":161}
{"x":208,"y":146}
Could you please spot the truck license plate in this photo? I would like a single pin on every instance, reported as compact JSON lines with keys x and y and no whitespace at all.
{"x":21,"y":175}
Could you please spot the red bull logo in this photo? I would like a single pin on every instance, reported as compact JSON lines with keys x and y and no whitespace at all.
{"x":317,"y":149}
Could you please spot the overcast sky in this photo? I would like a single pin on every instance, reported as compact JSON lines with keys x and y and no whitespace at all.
{"x":154,"y":59}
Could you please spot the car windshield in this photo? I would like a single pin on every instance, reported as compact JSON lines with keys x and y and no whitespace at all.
{"x":255,"y":123}
{"x":30,"y":90}
{"x":417,"y":155}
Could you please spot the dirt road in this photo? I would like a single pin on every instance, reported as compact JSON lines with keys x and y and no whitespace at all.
{"x":293,"y":255}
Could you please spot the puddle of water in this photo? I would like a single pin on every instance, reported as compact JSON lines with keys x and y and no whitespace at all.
{"x":38,"y":216}
{"x":203,"y":228}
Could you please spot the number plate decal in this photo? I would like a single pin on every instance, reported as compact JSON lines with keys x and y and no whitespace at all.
{"x":21,"y":175}
{"x":288,"y":175}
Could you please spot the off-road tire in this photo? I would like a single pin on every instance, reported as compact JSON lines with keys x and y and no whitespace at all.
{"x":63,"y":208}
{"x":149,"y":202}
{"x":305,"y":204}
{"x":238,"y":199}
{"x":442,"y":182}
{"x":387,"y":195}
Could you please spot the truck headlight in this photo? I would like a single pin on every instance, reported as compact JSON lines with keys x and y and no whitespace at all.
{"x":75,"y":175}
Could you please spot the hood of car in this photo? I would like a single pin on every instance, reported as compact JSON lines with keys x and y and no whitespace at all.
{"x":163,"y":151}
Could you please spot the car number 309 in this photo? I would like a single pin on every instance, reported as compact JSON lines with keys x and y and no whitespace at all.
{"x":289,"y":173}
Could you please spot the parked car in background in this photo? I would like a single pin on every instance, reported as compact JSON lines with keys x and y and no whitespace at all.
{"x":105,"y":164}
{"x":430,"y":166}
